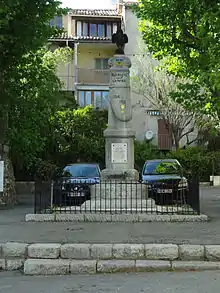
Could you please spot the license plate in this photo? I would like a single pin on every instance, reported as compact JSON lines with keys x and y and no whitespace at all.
{"x":75,"y":194}
{"x":164,"y":190}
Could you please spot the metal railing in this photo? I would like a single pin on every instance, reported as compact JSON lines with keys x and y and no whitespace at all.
{"x":165,"y":197}
{"x":92,"y":76}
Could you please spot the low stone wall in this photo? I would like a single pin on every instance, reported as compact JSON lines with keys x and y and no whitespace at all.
{"x":78,"y":258}
{"x":87,"y":217}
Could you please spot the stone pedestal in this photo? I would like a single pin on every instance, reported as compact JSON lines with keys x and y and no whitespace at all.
{"x":119,"y":136}
{"x":118,"y":197}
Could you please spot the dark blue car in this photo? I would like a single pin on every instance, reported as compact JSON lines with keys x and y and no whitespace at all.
{"x":165,"y":181}
{"x":72,"y":187}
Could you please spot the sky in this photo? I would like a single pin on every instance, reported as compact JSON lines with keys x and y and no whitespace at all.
{"x":87,"y":4}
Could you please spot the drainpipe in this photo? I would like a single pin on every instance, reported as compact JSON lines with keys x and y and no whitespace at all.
{"x":76,"y":67}
{"x":68,"y":69}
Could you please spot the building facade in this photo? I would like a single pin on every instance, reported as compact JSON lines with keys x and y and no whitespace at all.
{"x":86,"y":75}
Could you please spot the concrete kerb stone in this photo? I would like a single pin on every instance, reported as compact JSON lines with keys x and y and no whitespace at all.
{"x":45,"y":258}
{"x":212,"y":252}
{"x":75,"y":251}
{"x":92,"y":217}
{"x":128,"y":251}
{"x":14,"y":250}
{"x":191,"y":252}
{"x":46,"y":267}
{"x":44,"y":250}
{"x":161,"y":251}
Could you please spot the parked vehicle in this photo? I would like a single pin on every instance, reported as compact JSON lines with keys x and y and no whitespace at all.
{"x":165,"y":181}
{"x":72,"y":186}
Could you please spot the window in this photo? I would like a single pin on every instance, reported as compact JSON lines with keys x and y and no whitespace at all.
{"x":96,"y":28}
{"x":101,"y":63}
{"x":57,"y":22}
{"x":93,"y":30}
{"x":99,"y":99}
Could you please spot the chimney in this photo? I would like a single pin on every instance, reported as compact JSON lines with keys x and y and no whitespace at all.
{"x":119,"y":6}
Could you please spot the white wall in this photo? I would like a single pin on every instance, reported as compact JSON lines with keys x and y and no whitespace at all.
{"x":142,"y":122}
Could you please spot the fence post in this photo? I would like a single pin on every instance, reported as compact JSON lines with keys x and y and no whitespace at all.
{"x":194,"y":193}
{"x":51,"y":194}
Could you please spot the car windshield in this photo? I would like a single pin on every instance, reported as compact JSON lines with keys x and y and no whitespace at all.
{"x":162,"y":168}
{"x":79,"y":170}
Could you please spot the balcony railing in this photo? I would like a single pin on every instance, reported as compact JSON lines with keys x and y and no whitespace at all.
{"x":92,"y":76}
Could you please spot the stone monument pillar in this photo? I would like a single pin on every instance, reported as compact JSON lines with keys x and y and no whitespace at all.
{"x":119,"y":136}
{"x":119,"y":195}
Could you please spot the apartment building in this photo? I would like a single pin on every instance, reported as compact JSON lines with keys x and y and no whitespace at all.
{"x":89,"y":33}
{"x":86,"y":75}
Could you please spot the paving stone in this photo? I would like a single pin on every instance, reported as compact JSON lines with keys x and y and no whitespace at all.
{"x":83,"y":266}
{"x":112,"y":266}
{"x":191,"y":252}
{"x":128,"y":251}
{"x":101,"y":251}
{"x":161,"y":251}
{"x":75,"y":251}
{"x":46,"y":267}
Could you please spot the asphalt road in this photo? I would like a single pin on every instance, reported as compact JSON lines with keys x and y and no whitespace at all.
{"x":13,"y":228}
{"x":163,"y":282}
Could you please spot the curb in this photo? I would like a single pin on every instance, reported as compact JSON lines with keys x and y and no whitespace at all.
{"x":78,"y":258}
{"x":129,"y":218}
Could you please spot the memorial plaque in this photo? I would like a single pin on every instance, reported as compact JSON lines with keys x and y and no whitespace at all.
{"x":120,"y":77}
{"x":1,"y":176}
{"x":119,"y":153}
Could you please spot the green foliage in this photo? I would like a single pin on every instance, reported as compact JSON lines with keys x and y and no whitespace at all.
{"x":79,"y":134}
{"x":146,"y":151}
{"x":185,"y":34}
{"x":38,"y":95}
{"x":24,"y":28}
{"x":197,"y":161}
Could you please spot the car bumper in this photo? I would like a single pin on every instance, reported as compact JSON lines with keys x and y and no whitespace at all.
{"x":65,"y":198}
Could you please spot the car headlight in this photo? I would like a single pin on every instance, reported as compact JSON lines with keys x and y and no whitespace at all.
{"x":183,"y":183}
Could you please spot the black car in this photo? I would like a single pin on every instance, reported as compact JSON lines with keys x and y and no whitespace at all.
{"x":165,"y":181}
{"x":72,"y":187}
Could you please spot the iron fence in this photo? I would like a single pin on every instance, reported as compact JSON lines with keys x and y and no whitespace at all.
{"x":116,"y":197}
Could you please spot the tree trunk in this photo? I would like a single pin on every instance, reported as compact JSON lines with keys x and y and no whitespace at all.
{"x":9,"y":193}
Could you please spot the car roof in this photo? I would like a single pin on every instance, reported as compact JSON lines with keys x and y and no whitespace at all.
{"x":161,"y":160}
{"x":83,"y":164}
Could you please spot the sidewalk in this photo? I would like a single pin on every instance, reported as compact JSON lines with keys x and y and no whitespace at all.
{"x":13,"y":228}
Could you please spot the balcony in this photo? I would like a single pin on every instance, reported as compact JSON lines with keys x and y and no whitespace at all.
{"x":92,"y":76}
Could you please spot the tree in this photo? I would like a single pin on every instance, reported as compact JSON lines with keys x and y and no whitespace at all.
{"x":185,"y":34}
{"x":24,"y":28}
{"x":156,"y":86}
{"x":38,"y":98}
{"x":75,"y":134}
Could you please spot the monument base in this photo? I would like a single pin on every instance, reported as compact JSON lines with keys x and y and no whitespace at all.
{"x":120,"y":175}
{"x":116,"y":206}
{"x":115,"y":197}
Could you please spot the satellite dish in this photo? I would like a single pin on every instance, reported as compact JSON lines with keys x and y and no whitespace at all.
{"x":149,"y":135}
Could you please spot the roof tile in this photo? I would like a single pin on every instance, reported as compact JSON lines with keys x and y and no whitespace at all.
{"x":95,"y":12}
